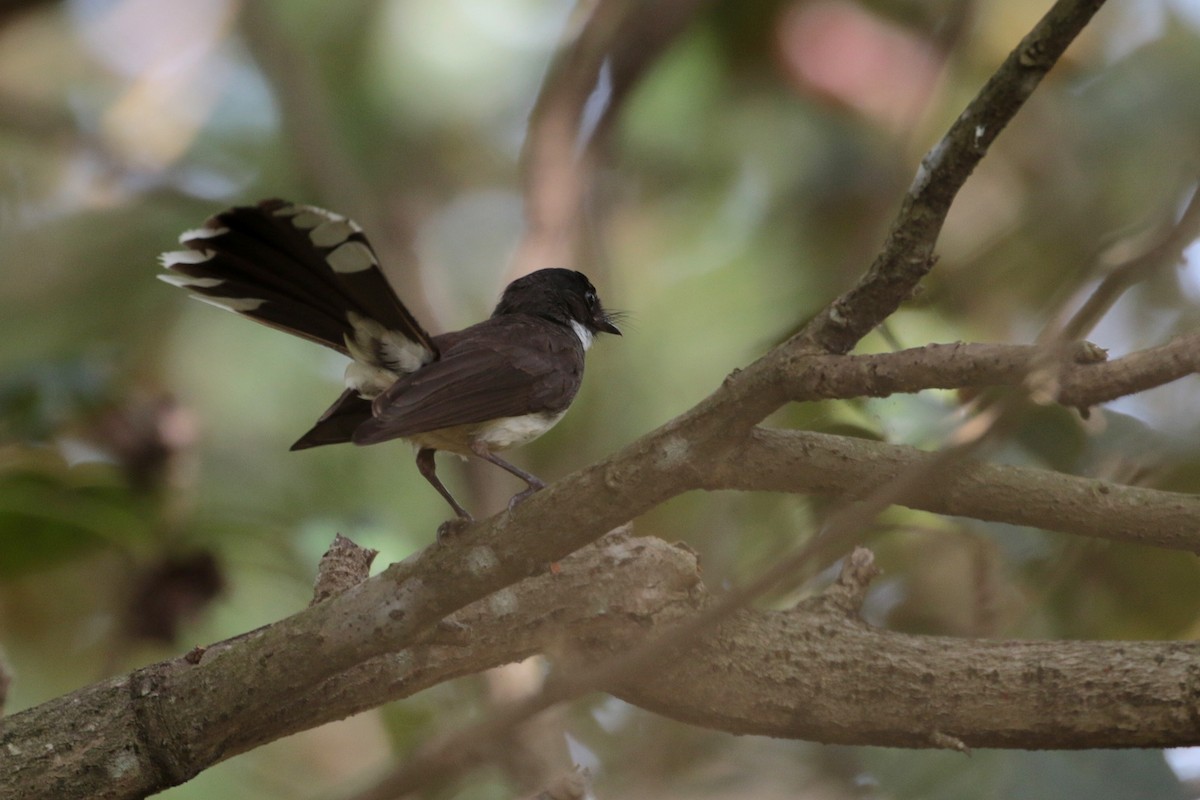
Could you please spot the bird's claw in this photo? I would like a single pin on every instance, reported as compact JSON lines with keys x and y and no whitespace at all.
{"x":453,"y":527}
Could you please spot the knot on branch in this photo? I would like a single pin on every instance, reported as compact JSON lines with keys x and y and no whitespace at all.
{"x":1044,"y":380}
{"x":1085,"y":352}
{"x":947,"y":742}
{"x":344,"y":564}
{"x":850,"y":589}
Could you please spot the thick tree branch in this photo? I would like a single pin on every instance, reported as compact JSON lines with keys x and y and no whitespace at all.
{"x":837,"y":466}
{"x":135,"y":735}
{"x":938,"y":692}
{"x":907,"y":486}
{"x":802,"y":673}
{"x":455,"y":754}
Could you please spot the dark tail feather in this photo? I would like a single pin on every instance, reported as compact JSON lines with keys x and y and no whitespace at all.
{"x":303,"y":270}
{"x":337,"y":424}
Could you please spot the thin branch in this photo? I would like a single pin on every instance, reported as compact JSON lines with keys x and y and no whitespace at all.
{"x":556,"y":164}
{"x":1167,"y":249}
{"x":559,"y":156}
{"x":907,"y":253}
{"x":1080,"y":382}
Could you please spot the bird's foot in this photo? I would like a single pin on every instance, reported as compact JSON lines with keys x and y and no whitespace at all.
{"x":453,"y":527}
{"x":521,"y":497}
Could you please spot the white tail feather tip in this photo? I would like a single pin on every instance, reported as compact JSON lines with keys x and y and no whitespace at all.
{"x":201,"y":233}
{"x":187,"y":282}
{"x":237,"y":305}
{"x":351,"y":257}
{"x":307,"y":217}
{"x":174,"y":257}
{"x":331,"y":233}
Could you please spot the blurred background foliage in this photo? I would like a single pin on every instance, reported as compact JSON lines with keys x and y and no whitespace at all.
{"x":147,"y":499}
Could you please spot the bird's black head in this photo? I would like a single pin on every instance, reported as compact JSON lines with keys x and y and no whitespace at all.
{"x":561,"y":295}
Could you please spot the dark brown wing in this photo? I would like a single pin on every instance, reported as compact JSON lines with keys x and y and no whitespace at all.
{"x":503,"y":367}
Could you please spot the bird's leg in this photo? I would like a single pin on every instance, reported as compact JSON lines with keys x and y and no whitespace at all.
{"x":428,"y":468}
{"x":480,"y":449}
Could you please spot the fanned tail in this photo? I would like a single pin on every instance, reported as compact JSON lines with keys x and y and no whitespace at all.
{"x":309,"y":272}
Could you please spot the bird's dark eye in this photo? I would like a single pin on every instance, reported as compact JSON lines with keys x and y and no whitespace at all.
{"x":590,"y":299}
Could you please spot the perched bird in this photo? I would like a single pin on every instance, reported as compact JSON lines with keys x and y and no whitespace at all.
{"x":494,"y":385}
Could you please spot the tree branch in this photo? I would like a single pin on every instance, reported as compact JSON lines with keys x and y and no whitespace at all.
{"x":838,"y":466}
{"x":134,"y":735}
{"x":907,"y":253}
{"x":1082,"y":381}
{"x":1168,"y":248}
{"x":813,"y":673}
{"x":802,"y":673}
{"x":559,"y":156}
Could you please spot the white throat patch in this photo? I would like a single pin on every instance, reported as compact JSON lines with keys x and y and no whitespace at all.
{"x":585,"y":336}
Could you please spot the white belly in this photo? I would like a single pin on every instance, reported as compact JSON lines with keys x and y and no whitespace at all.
{"x":498,"y":434}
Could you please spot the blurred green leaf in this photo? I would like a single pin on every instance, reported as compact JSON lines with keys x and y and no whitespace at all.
{"x":37,"y":399}
{"x":51,"y":513}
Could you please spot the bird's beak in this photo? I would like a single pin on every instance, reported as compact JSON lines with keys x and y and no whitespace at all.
{"x":605,"y":324}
